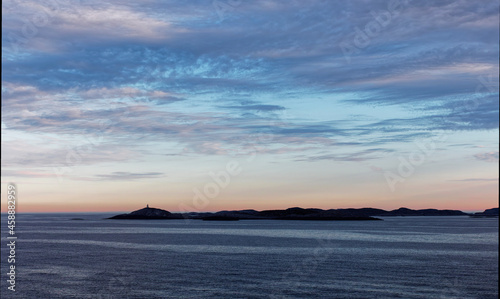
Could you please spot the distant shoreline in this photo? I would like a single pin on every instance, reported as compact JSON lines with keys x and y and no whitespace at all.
{"x":296,"y":213}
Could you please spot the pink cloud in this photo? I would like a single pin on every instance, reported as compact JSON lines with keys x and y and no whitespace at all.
{"x":487,"y":157}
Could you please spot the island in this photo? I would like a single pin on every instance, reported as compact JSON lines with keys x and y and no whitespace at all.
{"x":486,"y":213}
{"x":149,"y":213}
{"x":295,"y":213}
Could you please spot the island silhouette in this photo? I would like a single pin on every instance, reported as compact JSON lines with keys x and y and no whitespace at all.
{"x":295,"y":213}
{"x":486,"y":213}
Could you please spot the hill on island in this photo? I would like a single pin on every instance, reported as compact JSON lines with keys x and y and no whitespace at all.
{"x":295,"y":213}
{"x":487,"y":213}
{"x":149,"y":213}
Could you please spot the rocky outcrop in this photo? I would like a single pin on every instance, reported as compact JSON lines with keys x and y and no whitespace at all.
{"x":316,"y":214}
{"x":149,"y":213}
{"x":424,"y":212}
{"x":487,"y":213}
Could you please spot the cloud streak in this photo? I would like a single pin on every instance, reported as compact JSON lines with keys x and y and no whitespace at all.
{"x":128,"y":176}
{"x":487,"y":157}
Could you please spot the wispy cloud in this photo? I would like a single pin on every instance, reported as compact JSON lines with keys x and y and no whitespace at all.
{"x":128,"y":176}
{"x":368,"y":154}
{"x":487,"y":157}
{"x":475,"y":180}
{"x":260,"y":108}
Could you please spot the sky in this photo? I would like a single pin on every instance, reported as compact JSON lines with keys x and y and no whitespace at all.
{"x":231,"y":104}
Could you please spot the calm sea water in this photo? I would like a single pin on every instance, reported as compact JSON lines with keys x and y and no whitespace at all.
{"x":401,"y":257}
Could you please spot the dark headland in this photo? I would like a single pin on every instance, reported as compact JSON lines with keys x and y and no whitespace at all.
{"x":487,"y":213}
{"x":288,"y":214}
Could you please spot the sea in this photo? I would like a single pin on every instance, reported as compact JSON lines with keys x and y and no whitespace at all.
{"x":88,"y":256}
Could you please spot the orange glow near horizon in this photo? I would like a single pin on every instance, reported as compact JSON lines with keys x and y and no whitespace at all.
{"x":54,"y":198}
{"x":470,"y":205}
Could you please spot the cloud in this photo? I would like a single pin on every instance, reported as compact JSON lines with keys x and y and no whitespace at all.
{"x":56,"y":153}
{"x":128,"y":176}
{"x":27,"y":173}
{"x":487,"y":157}
{"x":475,"y":180}
{"x":171,"y":70}
{"x":54,"y":27}
{"x":259,"y":108}
{"x":360,"y":156}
